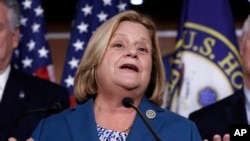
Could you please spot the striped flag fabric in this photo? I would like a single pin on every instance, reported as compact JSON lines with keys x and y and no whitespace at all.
{"x":206,"y":66}
{"x":33,"y":56}
{"x":89,"y":15}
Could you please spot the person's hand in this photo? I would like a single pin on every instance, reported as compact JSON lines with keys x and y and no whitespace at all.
{"x":14,"y":139}
{"x":216,"y":137}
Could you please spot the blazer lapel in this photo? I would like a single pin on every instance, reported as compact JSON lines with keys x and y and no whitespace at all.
{"x":139,"y":130}
{"x":82,"y":123}
{"x":14,"y":98}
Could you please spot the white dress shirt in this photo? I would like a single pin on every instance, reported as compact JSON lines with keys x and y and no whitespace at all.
{"x":3,"y":79}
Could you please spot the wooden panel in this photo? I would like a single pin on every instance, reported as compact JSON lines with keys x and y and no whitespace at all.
{"x":58,"y":50}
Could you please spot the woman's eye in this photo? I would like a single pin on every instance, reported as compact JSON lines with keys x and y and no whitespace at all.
{"x":143,"y":50}
{"x":118,"y":45}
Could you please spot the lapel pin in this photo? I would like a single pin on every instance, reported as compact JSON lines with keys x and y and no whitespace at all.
{"x":150,"y":114}
{"x":21,"y":95}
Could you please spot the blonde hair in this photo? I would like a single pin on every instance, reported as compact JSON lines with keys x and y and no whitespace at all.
{"x":85,"y":82}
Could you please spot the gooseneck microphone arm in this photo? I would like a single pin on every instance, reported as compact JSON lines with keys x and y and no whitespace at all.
{"x":56,"y":107}
{"x":128,"y":102}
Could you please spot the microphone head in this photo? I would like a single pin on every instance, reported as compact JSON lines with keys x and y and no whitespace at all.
{"x":128,"y":102}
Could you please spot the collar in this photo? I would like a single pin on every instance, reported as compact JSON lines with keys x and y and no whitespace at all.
{"x":247,"y":94}
{"x":3,"y":80}
{"x":247,"y":102}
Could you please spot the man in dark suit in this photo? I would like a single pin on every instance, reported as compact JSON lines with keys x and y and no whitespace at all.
{"x":234,"y":109}
{"x":216,"y":118}
{"x":21,"y":93}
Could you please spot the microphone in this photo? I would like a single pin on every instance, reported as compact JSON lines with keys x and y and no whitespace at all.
{"x":55,"y":108}
{"x":128,"y":102}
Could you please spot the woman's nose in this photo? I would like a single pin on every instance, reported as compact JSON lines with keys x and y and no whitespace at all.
{"x":132,"y":52}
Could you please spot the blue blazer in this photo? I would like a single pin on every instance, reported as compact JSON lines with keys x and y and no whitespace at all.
{"x":24,"y":93}
{"x":216,"y":118}
{"x":79,"y":124}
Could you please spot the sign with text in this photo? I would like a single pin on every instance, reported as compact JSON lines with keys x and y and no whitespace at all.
{"x":239,"y":132}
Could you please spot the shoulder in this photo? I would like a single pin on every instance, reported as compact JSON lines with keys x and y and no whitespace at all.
{"x":28,"y":79}
{"x":54,"y":123}
{"x":177,"y":119}
{"x":40,"y":91}
{"x":69,"y":116}
{"x":31,"y":80}
{"x":46,"y":87}
{"x":217,"y":108}
{"x":33,"y":85}
{"x":60,"y":116}
{"x":167,"y":116}
{"x":42,"y":82}
{"x":168,"y":121}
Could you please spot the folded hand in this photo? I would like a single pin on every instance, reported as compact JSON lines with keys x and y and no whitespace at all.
{"x":14,"y":139}
{"x":216,"y":137}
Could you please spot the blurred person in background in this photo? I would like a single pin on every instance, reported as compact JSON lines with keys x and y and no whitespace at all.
{"x":21,"y":93}
{"x":216,"y":119}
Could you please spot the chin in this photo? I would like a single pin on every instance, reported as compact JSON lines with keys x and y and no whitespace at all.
{"x":130,"y":86}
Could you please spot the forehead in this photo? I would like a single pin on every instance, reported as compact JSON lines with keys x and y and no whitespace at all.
{"x":129,"y":25}
{"x":132,"y":30}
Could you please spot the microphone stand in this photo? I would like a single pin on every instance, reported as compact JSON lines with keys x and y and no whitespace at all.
{"x":128,"y":102}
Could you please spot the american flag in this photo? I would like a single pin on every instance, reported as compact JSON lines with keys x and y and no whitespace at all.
{"x":89,"y":15}
{"x":32,"y":55}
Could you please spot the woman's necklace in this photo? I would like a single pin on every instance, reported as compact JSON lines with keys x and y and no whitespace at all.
{"x":127,"y":129}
